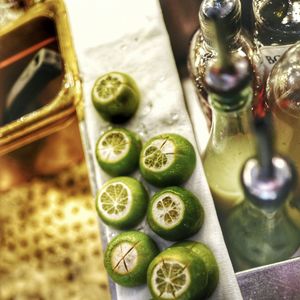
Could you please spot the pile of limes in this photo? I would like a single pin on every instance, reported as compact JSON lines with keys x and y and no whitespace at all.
{"x":187,"y":270}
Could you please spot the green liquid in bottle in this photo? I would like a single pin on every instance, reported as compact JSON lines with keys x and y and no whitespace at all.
{"x":223,"y":165}
{"x":255,"y":238}
{"x":287,"y":124}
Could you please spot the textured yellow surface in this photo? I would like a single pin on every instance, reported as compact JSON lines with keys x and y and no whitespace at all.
{"x":49,"y":240}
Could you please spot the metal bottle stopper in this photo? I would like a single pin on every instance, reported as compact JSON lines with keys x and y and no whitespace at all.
{"x":230,"y":16}
{"x":228,"y":75}
{"x":268,"y":179}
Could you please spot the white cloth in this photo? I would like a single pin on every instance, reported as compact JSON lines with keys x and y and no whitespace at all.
{"x":130,"y":36}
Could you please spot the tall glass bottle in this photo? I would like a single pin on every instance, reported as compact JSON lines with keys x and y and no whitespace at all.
{"x":258,"y":232}
{"x":277,"y":27}
{"x":283,"y":91}
{"x":228,"y":81}
{"x":203,"y":52}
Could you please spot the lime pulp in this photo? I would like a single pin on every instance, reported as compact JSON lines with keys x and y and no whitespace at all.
{"x":115,"y":96}
{"x":117,"y":151}
{"x":122,"y":202}
{"x":128,"y":256}
{"x":167,"y":159}
{"x":175,"y":213}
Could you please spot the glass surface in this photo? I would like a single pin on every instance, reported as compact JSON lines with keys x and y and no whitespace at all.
{"x":203,"y":52}
{"x":283,"y":91}
{"x":202,"y":55}
{"x":277,"y":27}
{"x":277,"y":21}
{"x":230,"y":145}
{"x":256,"y":238}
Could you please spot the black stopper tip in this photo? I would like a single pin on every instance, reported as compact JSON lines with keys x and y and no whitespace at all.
{"x":213,"y":13}
{"x":263,"y":129}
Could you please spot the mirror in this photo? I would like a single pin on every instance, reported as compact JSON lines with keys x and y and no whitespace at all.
{"x":31,"y":69}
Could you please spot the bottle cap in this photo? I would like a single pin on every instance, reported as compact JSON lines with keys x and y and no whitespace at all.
{"x":268,"y":193}
{"x":230,"y":17}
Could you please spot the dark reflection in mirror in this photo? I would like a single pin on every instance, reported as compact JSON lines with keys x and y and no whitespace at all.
{"x":31,"y":70}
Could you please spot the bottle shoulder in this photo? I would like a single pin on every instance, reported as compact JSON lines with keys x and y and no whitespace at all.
{"x":201,"y":54}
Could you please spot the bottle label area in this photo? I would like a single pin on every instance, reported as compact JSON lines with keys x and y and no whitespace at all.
{"x":271,"y":54}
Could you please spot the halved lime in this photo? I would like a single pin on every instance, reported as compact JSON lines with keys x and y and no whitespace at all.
{"x":128,"y":256}
{"x":122,"y":202}
{"x":117,"y":151}
{"x":175,"y":213}
{"x":177,"y":273}
{"x":209,"y":260}
{"x":116,"y":97}
{"x":167,"y":159}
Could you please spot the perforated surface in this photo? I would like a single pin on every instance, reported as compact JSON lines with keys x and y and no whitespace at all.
{"x":49,"y":241}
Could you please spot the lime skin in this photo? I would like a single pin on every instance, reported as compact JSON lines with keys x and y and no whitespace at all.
{"x":115,"y":96}
{"x":209,"y":260}
{"x":137,"y":211}
{"x":194,"y":265}
{"x":180,"y":169}
{"x":129,"y":162}
{"x":146,"y":250}
{"x":191,"y":222}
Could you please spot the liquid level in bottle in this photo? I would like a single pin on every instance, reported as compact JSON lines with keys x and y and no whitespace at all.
{"x":223,"y":166}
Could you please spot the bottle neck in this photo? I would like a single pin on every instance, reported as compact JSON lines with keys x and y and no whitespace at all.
{"x":255,"y":212}
{"x":268,"y":191}
{"x":230,"y":20}
{"x":234,"y":42}
{"x":230,"y":119}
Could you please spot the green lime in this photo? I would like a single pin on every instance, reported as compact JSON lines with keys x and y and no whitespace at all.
{"x":177,"y":273}
{"x":175,"y":213}
{"x":128,"y":256}
{"x":116,"y":97}
{"x":118,"y":151}
{"x":209,"y":260}
{"x":167,"y":159}
{"x":122,"y":202}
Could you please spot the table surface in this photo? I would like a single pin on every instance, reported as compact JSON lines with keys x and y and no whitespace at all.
{"x":277,"y":281}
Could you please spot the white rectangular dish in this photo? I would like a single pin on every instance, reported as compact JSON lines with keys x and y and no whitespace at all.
{"x":130,"y":36}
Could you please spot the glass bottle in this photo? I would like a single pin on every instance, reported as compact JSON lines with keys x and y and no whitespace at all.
{"x":283,"y":94}
{"x":202,"y":51}
{"x":277,"y":27}
{"x":228,"y":81}
{"x":258,"y":232}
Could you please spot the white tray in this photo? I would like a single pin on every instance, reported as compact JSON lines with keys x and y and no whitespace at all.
{"x":130,"y":36}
